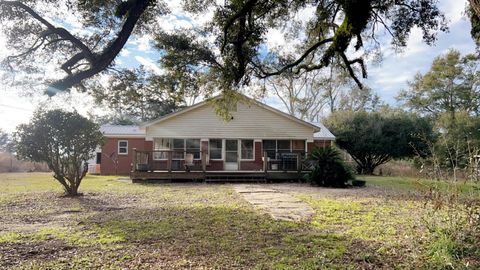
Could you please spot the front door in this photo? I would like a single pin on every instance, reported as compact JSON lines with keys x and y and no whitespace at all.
{"x":231,"y":155}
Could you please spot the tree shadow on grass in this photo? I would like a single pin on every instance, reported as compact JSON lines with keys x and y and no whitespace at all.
{"x":193,"y":231}
{"x":228,"y":237}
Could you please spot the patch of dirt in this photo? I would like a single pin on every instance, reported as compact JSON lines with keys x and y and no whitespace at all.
{"x":12,"y":254}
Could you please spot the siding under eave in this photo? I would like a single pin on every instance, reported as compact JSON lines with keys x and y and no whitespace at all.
{"x":249,"y":122}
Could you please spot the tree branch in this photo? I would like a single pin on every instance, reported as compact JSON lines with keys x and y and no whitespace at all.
{"x":298,"y":61}
{"x":62,"y":32}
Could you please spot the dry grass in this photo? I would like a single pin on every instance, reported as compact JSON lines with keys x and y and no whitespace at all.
{"x":9,"y":163}
{"x":119,"y":225}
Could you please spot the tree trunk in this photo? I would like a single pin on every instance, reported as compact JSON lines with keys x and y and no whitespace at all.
{"x":73,"y":191}
{"x":366,"y":168}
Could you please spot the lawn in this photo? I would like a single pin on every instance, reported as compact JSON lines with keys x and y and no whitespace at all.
{"x":119,"y":225}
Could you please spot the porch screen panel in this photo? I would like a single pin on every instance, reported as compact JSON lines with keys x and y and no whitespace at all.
{"x":215,"y":148}
{"x":161,"y":144}
{"x":283,"y":146}
{"x":247,"y":149}
{"x":270,"y":146}
{"x":178,"y":148}
{"x":193,"y":147}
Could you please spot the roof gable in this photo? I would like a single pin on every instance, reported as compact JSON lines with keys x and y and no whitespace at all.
{"x":250,"y":101}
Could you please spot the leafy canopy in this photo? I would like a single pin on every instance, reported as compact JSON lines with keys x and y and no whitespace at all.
{"x":374,"y":138}
{"x":225,"y":54}
{"x":452,"y":84}
{"x":63,"y":140}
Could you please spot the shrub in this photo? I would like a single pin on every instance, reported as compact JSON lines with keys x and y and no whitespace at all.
{"x":329,"y":170}
{"x":62,"y":140}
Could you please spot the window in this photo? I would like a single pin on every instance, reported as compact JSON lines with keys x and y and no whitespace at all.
{"x":123,"y":147}
{"x":99,"y":158}
{"x":215,"y":146}
{"x":161,"y":144}
{"x":283,"y":146}
{"x":247,"y":149}
{"x":270,"y":146}
{"x":193,"y":147}
{"x":275,"y":148}
{"x":178,"y":148}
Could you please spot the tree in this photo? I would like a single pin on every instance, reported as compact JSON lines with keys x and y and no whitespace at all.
{"x":374,"y":138}
{"x":5,"y":142}
{"x":452,"y":84}
{"x":459,"y":145}
{"x":238,"y":29}
{"x":335,"y":85}
{"x":40,"y":42}
{"x":309,"y":94}
{"x":139,"y":95}
{"x":64,"y":141}
{"x":300,"y":94}
{"x":474,"y":12}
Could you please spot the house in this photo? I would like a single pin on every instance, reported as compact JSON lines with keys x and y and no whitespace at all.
{"x":195,"y":141}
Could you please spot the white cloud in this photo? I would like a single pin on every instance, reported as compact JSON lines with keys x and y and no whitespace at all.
{"x":172,"y":22}
{"x":415,"y":43}
{"x":125,"y":52}
{"x":142,"y":43}
{"x":454,"y":9}
{"x":149,"y":65}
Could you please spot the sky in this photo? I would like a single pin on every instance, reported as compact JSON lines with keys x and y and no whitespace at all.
{"x":386,"y":78}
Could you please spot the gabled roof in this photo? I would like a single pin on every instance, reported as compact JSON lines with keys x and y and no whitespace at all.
{"x":205,"y":102}
{"x":120,"y":130}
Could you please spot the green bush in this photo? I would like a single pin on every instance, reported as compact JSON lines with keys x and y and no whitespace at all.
{"x":329,"y":170}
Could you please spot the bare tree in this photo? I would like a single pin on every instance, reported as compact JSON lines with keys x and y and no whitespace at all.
{"x":301,"y":94}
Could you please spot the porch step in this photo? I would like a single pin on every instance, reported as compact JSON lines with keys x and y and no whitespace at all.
{"x":223,"y":178}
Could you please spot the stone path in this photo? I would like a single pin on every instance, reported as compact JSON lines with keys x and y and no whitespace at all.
{"x":279,"y":205}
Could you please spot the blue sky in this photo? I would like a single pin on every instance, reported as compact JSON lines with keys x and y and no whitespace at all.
{"x":386,"y":78}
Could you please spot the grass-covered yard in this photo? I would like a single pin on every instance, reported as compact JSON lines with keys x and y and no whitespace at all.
{"x":118,"y":225}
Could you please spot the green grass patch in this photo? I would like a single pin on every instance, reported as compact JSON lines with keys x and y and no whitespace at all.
{"x":119,"y":225}
{"x":422,"y":185}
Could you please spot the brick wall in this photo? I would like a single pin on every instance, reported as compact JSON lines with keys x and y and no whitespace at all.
{"x":124,"y":164}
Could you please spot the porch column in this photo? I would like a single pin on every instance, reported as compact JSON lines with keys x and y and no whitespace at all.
{"x":204,"y":153}
{"x":134,"y":169}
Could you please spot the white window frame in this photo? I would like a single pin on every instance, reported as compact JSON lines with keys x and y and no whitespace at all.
{"x":118,"y":147}
{"x":184,"y":148}
{"x":154,"y":149}
{"x":221,"y":152}
{"x":253,"y":149}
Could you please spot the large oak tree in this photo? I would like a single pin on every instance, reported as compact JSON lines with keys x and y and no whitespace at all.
{"x":41,"y":37}
{"x":40,"y":34}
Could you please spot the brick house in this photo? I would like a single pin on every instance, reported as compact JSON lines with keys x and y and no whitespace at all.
{"x":256,"y":138}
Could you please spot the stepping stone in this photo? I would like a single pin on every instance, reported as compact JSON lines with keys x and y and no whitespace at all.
{"x":279,"y":205}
